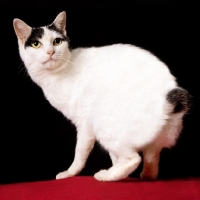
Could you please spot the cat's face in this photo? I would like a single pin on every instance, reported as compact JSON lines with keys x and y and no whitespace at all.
{"x":44,"y":48}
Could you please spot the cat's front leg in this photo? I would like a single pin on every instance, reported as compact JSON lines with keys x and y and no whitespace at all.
{"x":85,"y":143}
{"x":113,"y":157}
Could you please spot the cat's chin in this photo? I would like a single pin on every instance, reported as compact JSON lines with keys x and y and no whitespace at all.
{"x":50,"y":64}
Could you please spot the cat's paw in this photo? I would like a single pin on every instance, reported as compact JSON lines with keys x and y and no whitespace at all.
{"x":148,"y":177}
{"x":62,"y":175}
{"x":102,"y":175}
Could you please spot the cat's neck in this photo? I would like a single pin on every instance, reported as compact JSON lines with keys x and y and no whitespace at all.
{"x":46,"y":78}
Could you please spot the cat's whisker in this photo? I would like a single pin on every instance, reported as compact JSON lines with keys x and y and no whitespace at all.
{"x":20,"y":65}
{"x":25,"y":74}
{"x":21,"y":70}
{"x":66,"y":60}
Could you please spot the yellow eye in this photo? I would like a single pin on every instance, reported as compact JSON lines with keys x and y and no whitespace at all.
{"x":57,"y":41}
{"x":36,"y":44}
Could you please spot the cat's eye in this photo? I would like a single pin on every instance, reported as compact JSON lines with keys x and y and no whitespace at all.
{"x":36,"y":44}
{"x":57,"y":41}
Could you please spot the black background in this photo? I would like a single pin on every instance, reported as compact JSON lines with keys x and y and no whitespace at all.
{"x":36,"y":141}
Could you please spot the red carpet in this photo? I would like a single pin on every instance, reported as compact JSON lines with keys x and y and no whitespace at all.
{"x":87,"y":188}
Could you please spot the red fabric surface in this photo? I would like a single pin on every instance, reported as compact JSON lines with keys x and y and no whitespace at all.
{"x":87,"y":188}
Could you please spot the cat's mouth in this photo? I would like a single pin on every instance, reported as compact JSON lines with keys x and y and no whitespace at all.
{"x":50,"y":63}
{"x":50,"y":60}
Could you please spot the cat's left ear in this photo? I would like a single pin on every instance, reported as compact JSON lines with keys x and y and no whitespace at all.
{"x":60,"y":22}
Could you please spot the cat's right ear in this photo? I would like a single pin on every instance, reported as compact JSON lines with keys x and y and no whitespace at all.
{"x":22,"y":30}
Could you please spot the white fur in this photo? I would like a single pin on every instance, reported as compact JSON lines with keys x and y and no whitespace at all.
{"x":113,"y":94}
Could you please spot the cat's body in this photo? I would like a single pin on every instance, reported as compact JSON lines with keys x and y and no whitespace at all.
{"x":120,"y":95}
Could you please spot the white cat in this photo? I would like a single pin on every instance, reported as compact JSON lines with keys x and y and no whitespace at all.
{"x":120,"y":95}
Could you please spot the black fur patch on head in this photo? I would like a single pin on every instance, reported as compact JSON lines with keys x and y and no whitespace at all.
{"x":54,"y":28}
{"x":36,"y":34}
{"x":180,"y":98}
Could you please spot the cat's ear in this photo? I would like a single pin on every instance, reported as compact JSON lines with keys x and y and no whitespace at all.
{"x":60,"y":22}
{"x":22,"y":30}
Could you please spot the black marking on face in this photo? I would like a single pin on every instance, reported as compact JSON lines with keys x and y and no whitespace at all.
{"x":36,"y":34}
{"x":54,"y":28}
{"x":180,"y":98}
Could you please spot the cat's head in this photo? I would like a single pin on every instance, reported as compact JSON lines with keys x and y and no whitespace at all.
{"x":43,"y":48}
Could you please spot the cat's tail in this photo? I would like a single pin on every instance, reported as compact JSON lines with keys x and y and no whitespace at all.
{"x":180,"y":99}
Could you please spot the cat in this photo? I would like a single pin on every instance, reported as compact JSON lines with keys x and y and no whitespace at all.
{"x":120,"y":95}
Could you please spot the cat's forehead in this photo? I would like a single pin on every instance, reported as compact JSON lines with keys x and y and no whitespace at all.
{"x":50,"y":33}
{"x":44,"y":33}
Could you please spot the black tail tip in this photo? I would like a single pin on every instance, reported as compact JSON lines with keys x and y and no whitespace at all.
{"x":180,"y":98}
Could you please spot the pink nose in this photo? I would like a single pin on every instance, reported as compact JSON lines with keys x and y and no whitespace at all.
{"x":51,"y":52}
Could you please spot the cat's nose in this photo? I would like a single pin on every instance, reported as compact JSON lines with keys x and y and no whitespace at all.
{"x":51,"y":52}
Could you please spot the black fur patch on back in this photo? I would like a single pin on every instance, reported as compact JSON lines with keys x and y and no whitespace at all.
{"x":54,"y":28}
{"x":180,"y":98}
{"x":36,"y":34}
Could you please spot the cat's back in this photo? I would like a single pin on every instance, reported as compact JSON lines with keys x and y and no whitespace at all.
{"x":117,"y":51}
{"x":122,"y":63}
{"x":118,"y":56}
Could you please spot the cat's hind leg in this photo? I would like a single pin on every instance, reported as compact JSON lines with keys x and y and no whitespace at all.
{"x":151,"y":158}
{"x":85,"y":143}
{"x":123,"y":167}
